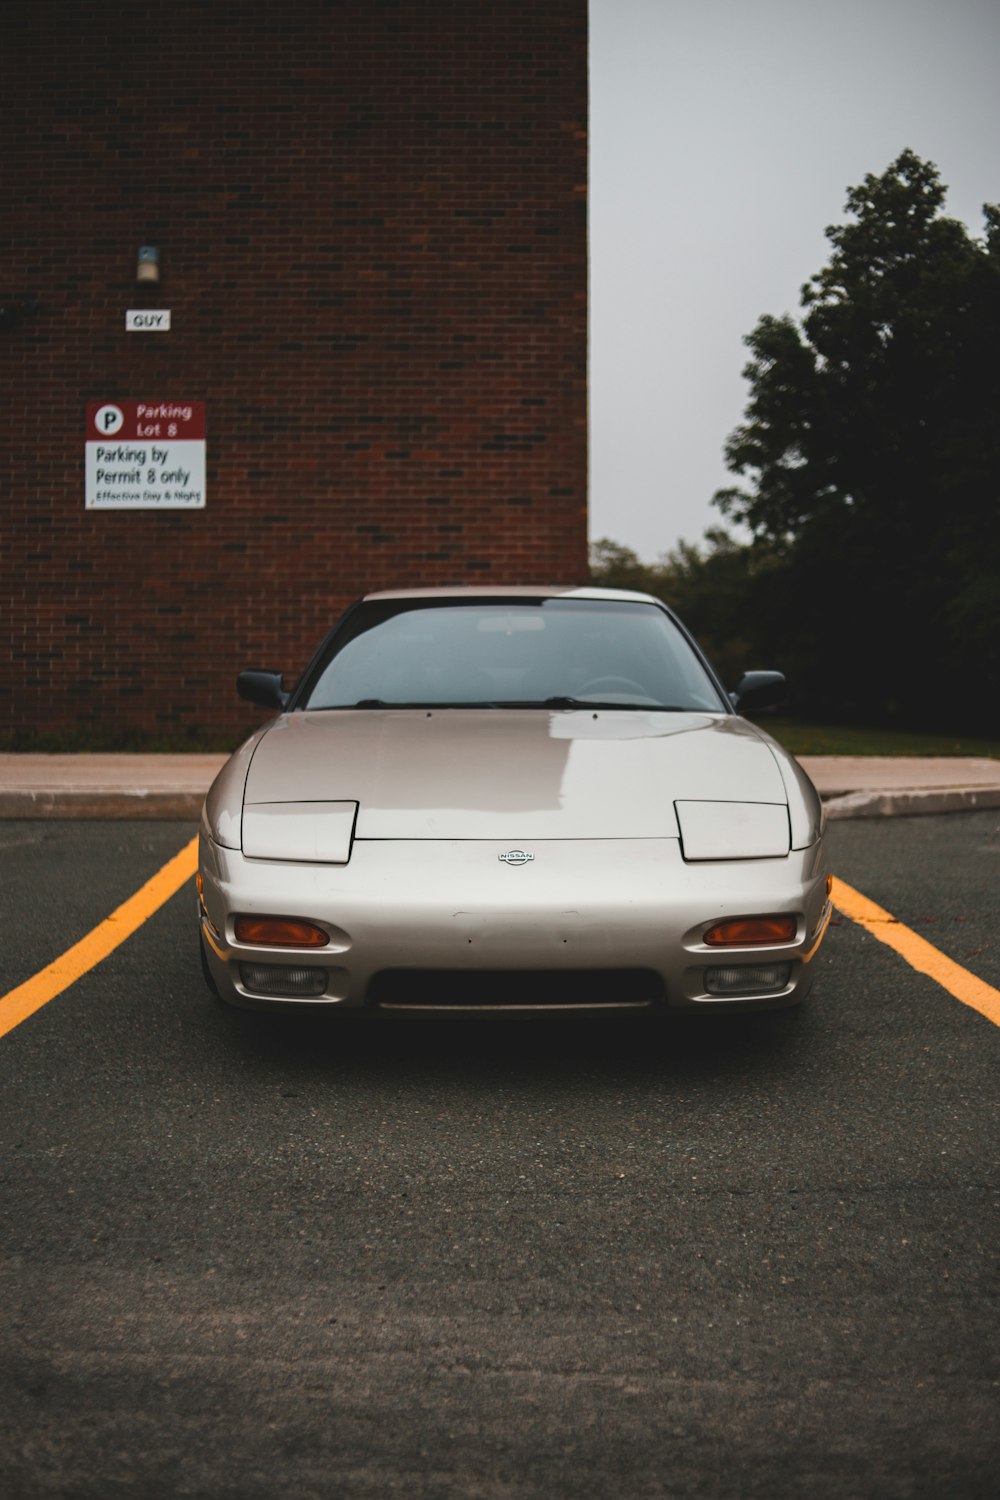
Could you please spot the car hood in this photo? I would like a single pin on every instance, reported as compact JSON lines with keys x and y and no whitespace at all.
{"x":512,"y":773}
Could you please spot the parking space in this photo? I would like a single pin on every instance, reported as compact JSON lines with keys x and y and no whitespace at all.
{"x":245,"y":1253}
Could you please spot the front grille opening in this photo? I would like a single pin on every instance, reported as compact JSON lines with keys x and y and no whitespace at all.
{"x":471,"y":989}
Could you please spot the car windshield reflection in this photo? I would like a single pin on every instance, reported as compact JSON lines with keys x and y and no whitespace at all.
{"x":555,"y":654}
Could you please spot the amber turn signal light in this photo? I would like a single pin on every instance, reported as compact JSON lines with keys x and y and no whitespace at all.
{"x":741,"y":932}
{"x":280,"y":932}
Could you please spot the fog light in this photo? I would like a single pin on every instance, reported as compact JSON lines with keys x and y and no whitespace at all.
{"x":747,"y":979}
{"x":281,"y":979}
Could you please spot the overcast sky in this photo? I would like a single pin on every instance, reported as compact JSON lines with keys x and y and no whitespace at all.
{"x":724,"y":136}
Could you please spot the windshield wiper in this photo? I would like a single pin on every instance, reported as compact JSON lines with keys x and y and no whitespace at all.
{"x":565,"y":700}
{"x":647,"y":707}
{"x":428,"y":704}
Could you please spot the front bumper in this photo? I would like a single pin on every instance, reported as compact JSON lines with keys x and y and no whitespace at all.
{"x":447,"y":907}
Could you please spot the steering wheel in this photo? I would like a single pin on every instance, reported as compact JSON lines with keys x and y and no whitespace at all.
{"x":611,"y":685}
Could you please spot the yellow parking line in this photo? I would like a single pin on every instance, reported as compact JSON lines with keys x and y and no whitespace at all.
{"x":919,"y":954}
{"x":20,"y":1003}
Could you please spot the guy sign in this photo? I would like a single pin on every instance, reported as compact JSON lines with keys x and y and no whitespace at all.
{"x":145,"y":455}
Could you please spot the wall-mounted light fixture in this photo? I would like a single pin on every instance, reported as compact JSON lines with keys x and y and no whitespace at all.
{"x":147,"y":267}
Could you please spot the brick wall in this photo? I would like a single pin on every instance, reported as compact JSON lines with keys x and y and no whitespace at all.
{"x":371,"y":222}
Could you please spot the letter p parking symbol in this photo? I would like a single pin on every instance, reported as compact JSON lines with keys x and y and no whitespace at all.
{"x":108,"y":420}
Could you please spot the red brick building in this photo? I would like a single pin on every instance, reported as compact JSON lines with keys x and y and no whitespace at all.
{"x":371,"y":227}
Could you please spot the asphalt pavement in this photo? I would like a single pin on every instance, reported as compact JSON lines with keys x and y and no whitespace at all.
{"x":174,"y":786}
{"x":247,"y":1255}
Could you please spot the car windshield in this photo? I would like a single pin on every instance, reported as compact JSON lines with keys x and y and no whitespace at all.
{"x":526,"y":653}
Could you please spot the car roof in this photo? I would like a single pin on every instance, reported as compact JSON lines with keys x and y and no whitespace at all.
{"x":514,"y":591}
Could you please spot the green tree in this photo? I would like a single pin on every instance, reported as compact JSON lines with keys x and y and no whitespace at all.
{"x":720,"y":590}
{"x":870,"y":455}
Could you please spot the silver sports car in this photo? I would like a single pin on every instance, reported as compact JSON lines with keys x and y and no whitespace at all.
{"x":511,"y":799}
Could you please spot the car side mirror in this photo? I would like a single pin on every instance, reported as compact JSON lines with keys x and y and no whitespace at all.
{"x":266,"y":689}
{"x":757,"y":690}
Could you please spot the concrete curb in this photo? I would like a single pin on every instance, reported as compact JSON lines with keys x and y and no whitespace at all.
{"x":909,"y":804}
{"x":75,"y":805}
{"x":118,"y":785}
{"x":161,"y":786}
{"x":185,"y":806}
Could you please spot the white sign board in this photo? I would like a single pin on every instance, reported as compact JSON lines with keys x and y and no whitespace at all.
{"x":147,"y":320}
{"x":145,"y":455}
